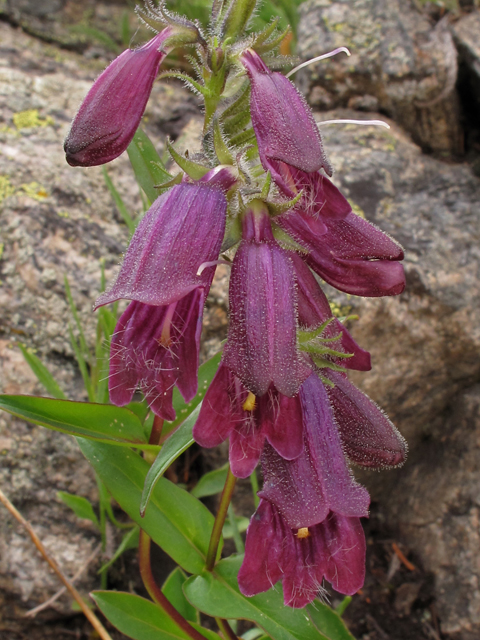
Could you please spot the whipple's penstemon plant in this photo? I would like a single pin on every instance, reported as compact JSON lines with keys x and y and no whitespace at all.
{"x":257,"y":196}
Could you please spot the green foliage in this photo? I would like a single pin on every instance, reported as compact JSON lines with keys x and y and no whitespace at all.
{"x":217,"y":594}
{"x":147,"y":165}
{"x":42,"y":373}
{"x":102,"y":422}
{"x":80,"y":506}
{"x":141,"y":619}
{"x":179,"y":523}
{"x":173,"y":590}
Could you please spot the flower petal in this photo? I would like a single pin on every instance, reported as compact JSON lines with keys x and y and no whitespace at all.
{"x":369,"y":437}
{"x":282,"y":120}
{"x":110,"y":114}
{"x":182,"y":230}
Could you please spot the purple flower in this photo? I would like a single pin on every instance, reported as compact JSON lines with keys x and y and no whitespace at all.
{"x":261,"y":347}
{"x":333,"y":549}
{"x":282,"y":121}
{"x":154,"y":348}
{"x":318,"y":481}
{"x":352,"y":254}
{"x":314,"y":310}
{"x":110,"y":114}
{"x":369,"y":438}
{"x":230,"y":410}
{"x":182,"y":230}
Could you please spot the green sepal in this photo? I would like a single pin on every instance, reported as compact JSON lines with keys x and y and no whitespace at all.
{"x":237,"y":18}
{"x":240,"y":105}
{"x":273,"y":44}
{"x":244,"y":137}
{"x":307,"y":336}
{"x":192,"y":84}
{"x":277,"y":208}
{"x":322,"y":363}
{"x":266,"y":186}
{"x":192,"y":169}
{"x":222,"y":151}
{"x":265,"y":34}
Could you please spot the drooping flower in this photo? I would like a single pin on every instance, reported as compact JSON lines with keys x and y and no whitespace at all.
{"x":167,"y":273}
{"x":110,"y":114}
{"x":352,"y":254}
{"x":369,"y":438}
{"x":333,"y":549}
{"x":154,"y":348}
{"x":282,"y":121}
{"x":230,"y":410}
{"x":318,"y":481}
{"x":182,"y":230}
{"x":261,"y":347}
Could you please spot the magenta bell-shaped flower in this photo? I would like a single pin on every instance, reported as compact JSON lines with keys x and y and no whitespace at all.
{"x":155,"y":348}
{"x":352,"y":254}
{"x":230,"y":410}
{"x":261,"y":348}
{"x":333,"y":549}
{"x":369,"y":438}
{"x":170,"y":251}
{"x":318,"y":481}
{"x":110,"y":114}
{"x":282,"y":121}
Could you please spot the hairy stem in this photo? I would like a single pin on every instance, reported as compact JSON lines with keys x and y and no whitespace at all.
{"x":220,"y":520}
{"x":156,"y":593}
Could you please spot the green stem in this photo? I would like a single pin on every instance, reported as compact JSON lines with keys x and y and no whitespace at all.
{"x":156,"y":593}
{"x":226,"y":629}
{"x":254,"y":483}
{"x":220,"y":520}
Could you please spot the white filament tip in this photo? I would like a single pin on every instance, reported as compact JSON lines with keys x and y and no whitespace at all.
{"x":318,"y":58}
{"x":373,"y":123}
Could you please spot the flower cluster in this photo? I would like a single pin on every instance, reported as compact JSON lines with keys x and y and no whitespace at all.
{"x":281,"y":394}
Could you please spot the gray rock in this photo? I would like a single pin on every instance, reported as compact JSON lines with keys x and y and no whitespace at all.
{"x":442,"y":519}
{"x":398,"y":59}
{"x":465,"y":33}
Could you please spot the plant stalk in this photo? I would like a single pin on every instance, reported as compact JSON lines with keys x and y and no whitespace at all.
{"x":156,"y":593}
{"x":220,"y":520}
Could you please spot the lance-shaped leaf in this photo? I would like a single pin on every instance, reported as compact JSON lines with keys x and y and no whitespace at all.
{"x":179,"y":523}
{"x":147,"y":165}
{"x":102,"y":422}
{"x":217,"y":594}
{"x":141,"y":619}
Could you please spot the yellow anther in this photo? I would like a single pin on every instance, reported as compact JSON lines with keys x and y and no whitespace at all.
{"x":249,"y":404}
{"x":303,"y":532}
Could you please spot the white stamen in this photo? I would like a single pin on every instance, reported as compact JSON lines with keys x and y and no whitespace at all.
{"x":318,"y":58}
{"x":375,"y":123}
{"x":213,"y":263}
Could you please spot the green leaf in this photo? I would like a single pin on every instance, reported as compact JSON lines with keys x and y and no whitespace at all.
{"x":328,"y":621}
{"x":211,"y":483}
{"x":147,"y":165}
{"x":42,"y":373}
{"x":80,"y":506}
{"x":102,"y":422}
{"x":175,"y":520}
{"x":217,"y":595}
{"x":176,"y":444}
{"x":129,"y":541}
{"x":141,"y":619}
{"x":173,"y":590}
{"x":122,"y":209}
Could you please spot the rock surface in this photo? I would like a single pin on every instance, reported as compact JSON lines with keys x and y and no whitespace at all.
{"x":425,"y":344}
{"x":400,"y":65}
